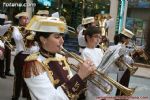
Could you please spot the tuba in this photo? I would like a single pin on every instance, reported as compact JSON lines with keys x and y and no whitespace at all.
{"x":103,"y":76}
{"x":102,"y":25}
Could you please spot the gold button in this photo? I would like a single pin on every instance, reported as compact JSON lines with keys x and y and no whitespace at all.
{"x":65,"y":68}
{"x":68,"y":76}
{"x":60,"y":63}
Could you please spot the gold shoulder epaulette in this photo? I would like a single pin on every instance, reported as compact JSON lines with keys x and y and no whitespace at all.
{"x":32,"y":57}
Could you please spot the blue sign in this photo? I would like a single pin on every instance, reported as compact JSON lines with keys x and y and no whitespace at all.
{"x":45,"y":2}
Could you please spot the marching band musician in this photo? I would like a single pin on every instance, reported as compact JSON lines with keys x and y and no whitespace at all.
{"x":92,"y":38}
{"x":19,"y":32}
{"x":86,"y":22}
{"x":123,"y":75}
{"x":46,"y":72}
{"x":7,"y":51}
{"x":3,"y":29}
{"x":2,"y":59}
{"x":2,"y":20}
{"x":19,"y":36}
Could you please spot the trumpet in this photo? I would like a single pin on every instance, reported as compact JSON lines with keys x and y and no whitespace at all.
{"x":106,"y":78}
{"x":143,"y":54}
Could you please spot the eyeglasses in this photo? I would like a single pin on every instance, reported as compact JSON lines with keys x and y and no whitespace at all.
{"x":97,"y":36}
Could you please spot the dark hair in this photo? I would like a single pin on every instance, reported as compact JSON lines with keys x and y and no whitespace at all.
{"x":39,"y":34}
{"x":90,"y":31}
{"x":88,"y":25}
{"x":119,"y":38}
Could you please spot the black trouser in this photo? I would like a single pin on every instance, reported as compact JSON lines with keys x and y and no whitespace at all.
{"x":1,"y":67}
{"x":124,"y":81}
{"x":19,"y":83}
{"x":7,"y":59}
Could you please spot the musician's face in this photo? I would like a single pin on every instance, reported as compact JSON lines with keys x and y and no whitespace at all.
{"x":94,"y":40}
{"x":126,"y":41}
{"x":23,"y":21}
{"x":53,"y":43}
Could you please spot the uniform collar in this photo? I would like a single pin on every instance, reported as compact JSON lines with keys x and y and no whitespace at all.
{"x":46,"y":54}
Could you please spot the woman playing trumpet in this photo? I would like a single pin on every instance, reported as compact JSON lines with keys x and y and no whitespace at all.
{"x":47,"y":73}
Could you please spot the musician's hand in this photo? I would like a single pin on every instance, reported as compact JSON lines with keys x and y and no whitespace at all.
{"x":140,"y":51}
{"x":86,"y":68}
{"x":137,"y":53}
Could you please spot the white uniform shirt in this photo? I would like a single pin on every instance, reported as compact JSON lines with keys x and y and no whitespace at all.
{"x":18,"y":38}
{"x":41,"y":87}
{"x":81,"y":39}
{"x":95,"y":55}
{"x":1,"y":52}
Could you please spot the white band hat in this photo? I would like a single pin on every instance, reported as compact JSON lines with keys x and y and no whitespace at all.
{"x":42,"y":12}
{"x":22,"y":14}
{"x":127,"y":33}
{"x":87,"y":20}
{"x":46,"y":24}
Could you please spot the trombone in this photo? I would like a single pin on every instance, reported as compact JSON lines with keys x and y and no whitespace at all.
{"x":99,"y":73}
{"x":131,"y":69}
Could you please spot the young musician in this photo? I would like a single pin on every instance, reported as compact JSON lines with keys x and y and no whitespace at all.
{"x":122,"y":40}
{"x":19,"y":36}
{"x":92,"y":38}
{"x":86,"y":22}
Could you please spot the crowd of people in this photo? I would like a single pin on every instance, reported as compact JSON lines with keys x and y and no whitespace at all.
{"x":43,"y":73}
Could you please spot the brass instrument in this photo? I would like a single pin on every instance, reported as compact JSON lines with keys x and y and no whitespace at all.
{"x":103,"y":46}
{"x":143,"y":54}
{"x":102,"y":25}
{"x":7,"y":38}
{"x":131,"y":69}
{"x":71,"y":29}
{"x":99,"y":73}
{"x":94,"y":81}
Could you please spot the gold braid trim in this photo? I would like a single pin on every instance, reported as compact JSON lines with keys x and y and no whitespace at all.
{"x":70,"y":95}
{"x":50,"y":73}
{"x":32,"y":56}
{"x":59,"y":59}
